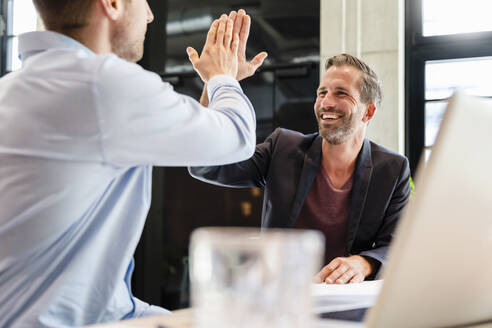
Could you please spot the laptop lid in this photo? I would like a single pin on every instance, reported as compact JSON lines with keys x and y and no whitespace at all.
{"x":439,"y":272}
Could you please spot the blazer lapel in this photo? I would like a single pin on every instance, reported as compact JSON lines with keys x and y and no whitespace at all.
{"x":310,"y":168}
{"x":362,"y":178}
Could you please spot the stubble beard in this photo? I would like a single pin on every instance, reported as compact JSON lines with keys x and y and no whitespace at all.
{"x":337,"y":135}
{"x":123,"y":45}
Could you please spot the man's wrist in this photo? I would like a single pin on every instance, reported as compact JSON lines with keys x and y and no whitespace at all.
{"x":373,"y":265}
{"x":211,"y":75}
{"x":369,"y":264}
{"x":204,"y":97}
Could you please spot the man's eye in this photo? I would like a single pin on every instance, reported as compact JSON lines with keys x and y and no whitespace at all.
{"x":321,"y":93}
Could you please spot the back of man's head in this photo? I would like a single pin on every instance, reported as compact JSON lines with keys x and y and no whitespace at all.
{"x":64,"y":15}
{"x":370,"y":85}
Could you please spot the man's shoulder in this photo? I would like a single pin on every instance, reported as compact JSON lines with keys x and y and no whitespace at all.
{"x":286,"y":141}
{"x":77,"y":59}
{"x":291,"y":136}
{"x":382,"y":155}
{"x":72,"y":63}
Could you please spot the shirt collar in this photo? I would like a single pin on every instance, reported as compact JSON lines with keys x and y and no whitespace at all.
{"x":35,"y":42}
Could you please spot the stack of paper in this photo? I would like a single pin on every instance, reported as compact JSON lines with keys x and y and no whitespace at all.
{"x":335,"y":298}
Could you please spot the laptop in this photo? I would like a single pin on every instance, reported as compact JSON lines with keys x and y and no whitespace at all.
{"x":439,"y":270}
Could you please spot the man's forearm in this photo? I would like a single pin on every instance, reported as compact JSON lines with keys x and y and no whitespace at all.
{"x":204,"y":97}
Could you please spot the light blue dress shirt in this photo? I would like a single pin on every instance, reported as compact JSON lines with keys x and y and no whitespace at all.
{"x":79,"y":133}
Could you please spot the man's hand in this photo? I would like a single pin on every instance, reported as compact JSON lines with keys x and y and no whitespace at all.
{"x":343,"y":270}
{"x":242,"y":23}
{"x":219,"y":55}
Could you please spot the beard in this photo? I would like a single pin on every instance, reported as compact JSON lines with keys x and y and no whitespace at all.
{"x":340,"y":133}
{"x":123,"y":44}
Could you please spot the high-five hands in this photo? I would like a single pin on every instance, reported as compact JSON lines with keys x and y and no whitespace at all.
{"x":343,"y":270}
{"x":242,"y":24}
{"x":219,"y":55}
{"x":225,"y":49}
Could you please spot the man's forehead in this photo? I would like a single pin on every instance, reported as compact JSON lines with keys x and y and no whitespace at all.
{"x":342,"y":76}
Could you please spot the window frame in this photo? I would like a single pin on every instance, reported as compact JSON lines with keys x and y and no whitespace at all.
{"x":419,"y":50}
{"x":8,"y":16}
{"x":3,"y":37}
{"x":7,"y":13}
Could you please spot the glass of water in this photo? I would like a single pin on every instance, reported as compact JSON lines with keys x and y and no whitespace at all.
{"x":245,"y":277}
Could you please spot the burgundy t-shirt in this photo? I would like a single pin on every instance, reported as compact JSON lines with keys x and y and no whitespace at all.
{"x":326,"y":209}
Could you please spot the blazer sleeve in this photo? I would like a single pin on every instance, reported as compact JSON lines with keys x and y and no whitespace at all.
{"x":398,"y":200}
{"x":249,"y":173}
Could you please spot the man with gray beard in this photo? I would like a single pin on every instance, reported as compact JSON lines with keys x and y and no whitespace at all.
{"x":335,"y":181}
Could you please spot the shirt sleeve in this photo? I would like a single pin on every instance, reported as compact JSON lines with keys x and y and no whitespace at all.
{"x":143,"y":121}
{"x":249,"y":173}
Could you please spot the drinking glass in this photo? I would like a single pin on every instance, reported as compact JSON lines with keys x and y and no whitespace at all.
{"x":247,"y":277}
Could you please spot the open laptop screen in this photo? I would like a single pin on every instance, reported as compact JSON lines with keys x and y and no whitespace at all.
{"x":439,"y":271}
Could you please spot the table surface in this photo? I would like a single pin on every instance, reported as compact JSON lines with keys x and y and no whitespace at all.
{"x":184,"y":319}
{"x":178,"y":319}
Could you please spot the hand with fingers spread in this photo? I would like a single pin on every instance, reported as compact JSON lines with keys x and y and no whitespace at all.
{"x":219,"y":55}
{"x":242,"y":23}
{"x":343,"y":270}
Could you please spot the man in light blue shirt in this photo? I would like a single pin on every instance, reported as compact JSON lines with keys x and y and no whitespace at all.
{"x":80,"y":129}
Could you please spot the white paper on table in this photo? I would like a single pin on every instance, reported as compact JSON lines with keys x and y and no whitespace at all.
{"x":334,"y":298}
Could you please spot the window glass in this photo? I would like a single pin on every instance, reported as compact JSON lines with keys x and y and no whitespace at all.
{"x":13,"y":62}
{"x":25,"y":17}
{"x":443,"y":77}
{"x":434,"y":112}
{"x":22,"y":18}
{"x":442,"y":17}
{"x":428,"y":152}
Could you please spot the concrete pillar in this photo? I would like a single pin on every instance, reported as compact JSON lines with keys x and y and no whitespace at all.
{"x":372,"y":30}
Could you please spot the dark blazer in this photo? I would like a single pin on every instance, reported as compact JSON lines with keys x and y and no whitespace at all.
{"x":285,"y":166}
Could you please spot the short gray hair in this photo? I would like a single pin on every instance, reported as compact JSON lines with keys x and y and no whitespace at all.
{"x":370,"y":84}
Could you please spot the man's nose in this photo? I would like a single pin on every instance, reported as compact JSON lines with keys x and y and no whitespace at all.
{"x":328,"y":101}
{"x":150,"y":15}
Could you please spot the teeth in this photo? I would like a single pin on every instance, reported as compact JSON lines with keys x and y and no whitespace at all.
{"x":329,"y":116}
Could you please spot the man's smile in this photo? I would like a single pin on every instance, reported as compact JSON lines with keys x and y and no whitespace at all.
{"x":330,"y":116}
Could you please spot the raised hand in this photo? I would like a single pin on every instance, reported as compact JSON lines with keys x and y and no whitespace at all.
{"x":242,"y":23}
{"x":220,"y":53}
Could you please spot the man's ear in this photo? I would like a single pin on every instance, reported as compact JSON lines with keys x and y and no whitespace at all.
{"x":113,"y":9}
{"x":370,"y":112}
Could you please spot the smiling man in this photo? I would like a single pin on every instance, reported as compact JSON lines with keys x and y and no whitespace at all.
{"x":336,"y":180}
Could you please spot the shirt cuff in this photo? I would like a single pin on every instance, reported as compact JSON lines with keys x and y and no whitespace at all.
{"x":218,"y":81}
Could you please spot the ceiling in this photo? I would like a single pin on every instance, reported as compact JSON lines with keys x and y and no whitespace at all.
{"x":287,"y":30}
